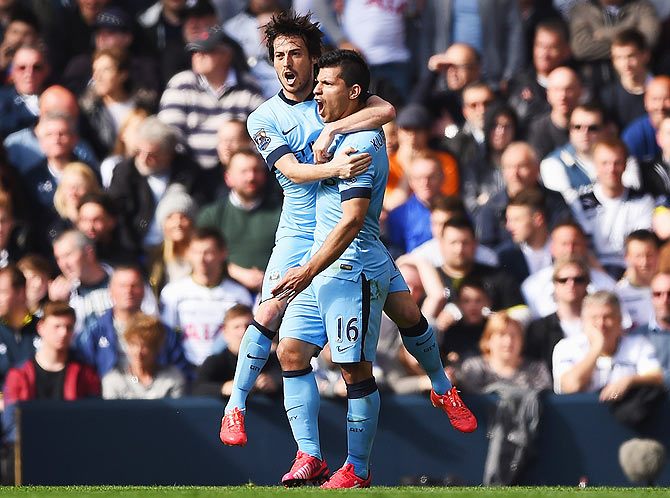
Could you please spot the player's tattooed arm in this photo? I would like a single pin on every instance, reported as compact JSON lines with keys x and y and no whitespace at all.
{"x":344,"y":165}
{"x":298,"y":279}
{"x":377,"y":112}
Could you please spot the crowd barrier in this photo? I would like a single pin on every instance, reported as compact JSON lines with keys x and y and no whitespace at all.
{"x":165,"y":442}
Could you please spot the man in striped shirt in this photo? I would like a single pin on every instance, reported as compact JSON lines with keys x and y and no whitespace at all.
{"x":216,"y":89}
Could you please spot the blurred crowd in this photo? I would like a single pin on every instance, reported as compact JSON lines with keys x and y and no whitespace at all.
{"x":528,"y":201}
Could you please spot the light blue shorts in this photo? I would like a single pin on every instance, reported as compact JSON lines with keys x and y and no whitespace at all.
{"x":345,"y":313}
{"x":287,"y":253}
{"x":397,"y":283}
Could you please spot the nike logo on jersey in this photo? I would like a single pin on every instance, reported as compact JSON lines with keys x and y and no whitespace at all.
{"x":255,"y":357}
{"x":340,"y":349}
{"x":424,"y":342}
{"x":289,"y":131}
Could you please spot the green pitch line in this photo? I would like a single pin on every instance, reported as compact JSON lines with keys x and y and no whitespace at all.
{"x":272,"y":492}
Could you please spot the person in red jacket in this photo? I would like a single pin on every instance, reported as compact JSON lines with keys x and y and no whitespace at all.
{"x":50,"y":374}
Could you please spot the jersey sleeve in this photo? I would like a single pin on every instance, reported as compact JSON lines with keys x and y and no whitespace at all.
{"x":270,"y":142}
{"x":360,"y":186}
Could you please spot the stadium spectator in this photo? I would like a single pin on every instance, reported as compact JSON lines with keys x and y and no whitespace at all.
{"x":83,"y":280}
{"x":247,"y":29}
{"x":413,"y":127}
{"x":19,"y":101}
{"x":167,"y":261}
{"x":14,"y":234}
{"x":103,"y":345}
{"x":624,"y":98}
{"x":37,"y":272}
{"x":633,"y":359}
{"x":125,"y":146}
{"x":471,"y":308}
{"x":527,"y":92}
{"x":607,"y":210}
{"x":570,"y":280}
{"x":247,"y":217}
{"x":550,"y":130}
{"x":467,"y":142}
{"x":528,"y":250}
{"x":18,"y":326}
{"x":520,"y":170}
{"x":143,"y":377}
{"x":656,"y":172}
{"x":22,"y":29}
{"x":110,"y":97}
{"x":442,"y":209}
{"x":140,"y":182}
{"x":196,"y":305}
{"x":502,"y":360}
{"x":96,"y":218}
{"x":641,"y":255}
{"x":494,"y":29}
{"x":76,"y":181}
{"x":640,"y":135}
{"x":657,"y":331}
{"x":23,"y":147}
{"x":570,"y":167}
{"x":594,"y":25}
{"x":533,"y":14}
{"x":482,"y":177}
{"x":458,"y":244}
{"x":440,"y":90}
{"x":567,"y":239}
{"x":408,"y":225}
{"x":215,"y":376}
{"x":113,"y":31}
{"x":214,"y":90}
{"x":51,"y":373}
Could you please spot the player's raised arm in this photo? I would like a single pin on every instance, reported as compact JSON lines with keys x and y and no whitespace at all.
{"x":377,"y":112}
{"x":345,"y":165}
{"x":353,"y":215}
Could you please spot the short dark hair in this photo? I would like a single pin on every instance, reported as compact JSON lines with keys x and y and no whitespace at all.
{"x":592,"y":106}
{"x":531,"y":198}
{"x":642,"y":235}
{"x":17,"y":279}
{"x":353,"y":69}
{"x":289,"y":23}
{"x":58,"y":308}
{"x":237,"y":311}
{"x":554,"y":25}
{"x":473,"y":282}
{"x":459,"y":223}
{"x":630,"y":36}
{"x":569,"y":222}
{"x":36,"y":263}
{"x":101,"y":199}
{"x":204,"y":233}
{"x":449,"y":203}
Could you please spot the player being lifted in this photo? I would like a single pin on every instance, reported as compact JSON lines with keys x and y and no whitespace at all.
{"x":286,"y":129}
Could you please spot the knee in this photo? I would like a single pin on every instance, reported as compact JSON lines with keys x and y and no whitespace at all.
{"x":402,"y":310}
{"x":353,"y":373}
{"x":292,"y":356}
{"x":269,"y":314}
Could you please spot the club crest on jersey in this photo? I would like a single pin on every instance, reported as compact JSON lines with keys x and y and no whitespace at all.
{"x":274,"y":275}
{"x":262,"y":140}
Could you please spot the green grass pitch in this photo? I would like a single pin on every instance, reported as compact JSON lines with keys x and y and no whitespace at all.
{"x":381,"y":492}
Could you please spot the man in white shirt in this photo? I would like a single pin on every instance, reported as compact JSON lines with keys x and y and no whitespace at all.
{"x":608,"y":211}
{"x":196,"y":305}
{"x":642,"y":255}
{"x":567,"y":239}
{"x":603,"y":359}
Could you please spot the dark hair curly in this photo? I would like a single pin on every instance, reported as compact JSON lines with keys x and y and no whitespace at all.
{"x":289,"y":23}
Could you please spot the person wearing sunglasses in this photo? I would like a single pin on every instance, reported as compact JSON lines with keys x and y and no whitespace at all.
{"x":571,"y":279}
{"x":570,"y":166}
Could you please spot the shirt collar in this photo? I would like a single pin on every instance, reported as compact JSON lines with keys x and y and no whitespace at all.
{"x":231,"y":81}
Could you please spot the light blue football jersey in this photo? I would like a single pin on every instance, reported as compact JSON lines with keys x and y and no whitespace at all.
{"x":281,"y":126}
{"x":366,"y":253}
